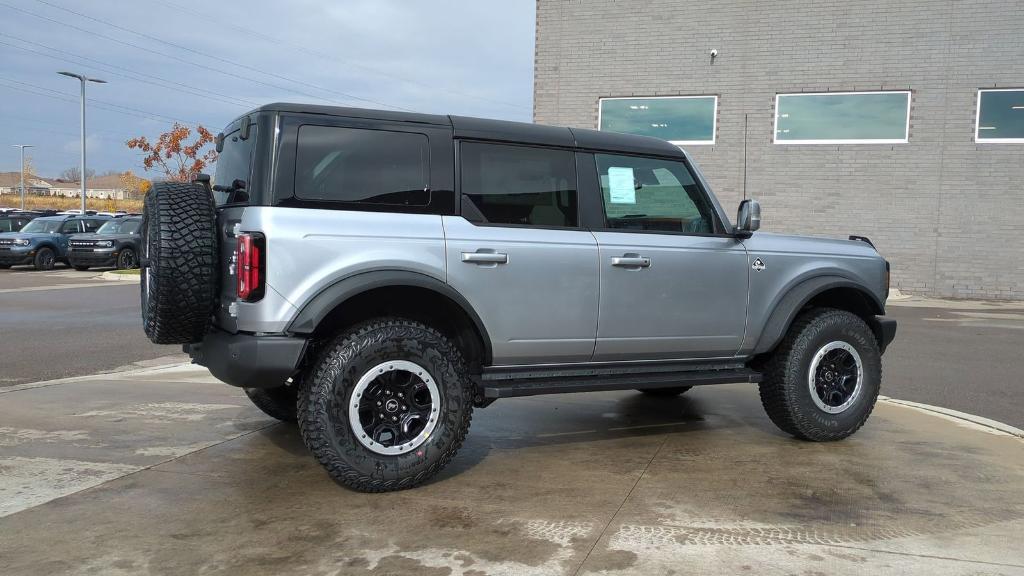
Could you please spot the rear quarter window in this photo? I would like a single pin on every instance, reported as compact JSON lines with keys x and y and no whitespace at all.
{"x":359,"y":166}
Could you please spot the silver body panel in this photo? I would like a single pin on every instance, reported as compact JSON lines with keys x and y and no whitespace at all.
{"x":541,"y":306}
{"x":690,"y":302}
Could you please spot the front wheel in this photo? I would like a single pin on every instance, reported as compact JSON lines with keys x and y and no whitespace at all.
{"x":822,"y":381}
{"x":126,"y":259}
{"x":45,"y":259}
{"x":387,"y":405}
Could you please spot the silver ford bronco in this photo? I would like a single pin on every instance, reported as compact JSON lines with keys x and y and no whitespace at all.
{"x":376,"y":275}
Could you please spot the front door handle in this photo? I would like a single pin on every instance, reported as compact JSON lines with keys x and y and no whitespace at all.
{"x":485,"y":257}
{"x":631,"y":261}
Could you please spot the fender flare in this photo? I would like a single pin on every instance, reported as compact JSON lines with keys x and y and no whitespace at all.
{"x":329,"y":298}
{"x":795,"y":299}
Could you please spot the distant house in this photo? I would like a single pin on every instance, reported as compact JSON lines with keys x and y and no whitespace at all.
{"x":110,"y":186}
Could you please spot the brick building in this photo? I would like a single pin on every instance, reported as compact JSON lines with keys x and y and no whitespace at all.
{"x":900,"y":121}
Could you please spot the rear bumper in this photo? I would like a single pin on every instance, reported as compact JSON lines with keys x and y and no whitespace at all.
{"x":248,"y":361}
{"x":884,"y":329}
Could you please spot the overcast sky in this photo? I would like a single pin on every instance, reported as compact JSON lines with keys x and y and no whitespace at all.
{"x":207,"y":62}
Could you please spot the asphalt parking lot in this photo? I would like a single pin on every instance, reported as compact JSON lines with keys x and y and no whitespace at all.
{"x":162,"y":470}
{"x":66,"y":323}
{"x":165,"y":472}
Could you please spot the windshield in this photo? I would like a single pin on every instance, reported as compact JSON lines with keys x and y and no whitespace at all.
{"x":42,"y":226}
{"x":119,"y":227}
{"x":233,"y":165}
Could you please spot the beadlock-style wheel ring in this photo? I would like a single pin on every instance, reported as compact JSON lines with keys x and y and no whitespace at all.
{"x":835,"y":377}
{"x":394,"y":407}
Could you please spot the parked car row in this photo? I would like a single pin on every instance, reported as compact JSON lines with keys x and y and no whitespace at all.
{"x":82,"y":241}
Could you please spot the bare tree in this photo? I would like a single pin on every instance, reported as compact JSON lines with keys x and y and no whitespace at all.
{"x":74,"y":174}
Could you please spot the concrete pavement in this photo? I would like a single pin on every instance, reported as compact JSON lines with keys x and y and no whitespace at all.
{"x":165,"y":472}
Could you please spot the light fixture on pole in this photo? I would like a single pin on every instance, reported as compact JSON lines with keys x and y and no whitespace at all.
{"x":83,"y":79}
{"x":23,"y":146}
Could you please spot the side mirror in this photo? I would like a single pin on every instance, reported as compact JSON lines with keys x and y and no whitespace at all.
{"x":748,"y":218}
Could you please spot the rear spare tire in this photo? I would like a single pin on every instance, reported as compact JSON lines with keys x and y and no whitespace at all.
{"x":179,"y":262}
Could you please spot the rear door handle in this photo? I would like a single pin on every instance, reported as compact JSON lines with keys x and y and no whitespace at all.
{"x":485,"y":257}
{"x":631,"y":262}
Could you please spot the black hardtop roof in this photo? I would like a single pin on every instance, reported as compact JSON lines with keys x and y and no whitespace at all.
{"x":498,"y":130}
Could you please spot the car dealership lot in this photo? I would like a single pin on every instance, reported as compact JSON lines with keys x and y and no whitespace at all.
{"x":163,"y":471}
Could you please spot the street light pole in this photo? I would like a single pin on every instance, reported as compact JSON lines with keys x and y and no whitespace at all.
{"x":23,"y":146}
{"x":83,"y":79}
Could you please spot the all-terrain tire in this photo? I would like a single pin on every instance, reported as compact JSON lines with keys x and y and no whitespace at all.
{"x":277,"y":402}
{"x":45,"y":259}
{"x":327,"y":392}
{"x":666,"y":392}
{"x":179,"y":262}
{"x":786,"y":388}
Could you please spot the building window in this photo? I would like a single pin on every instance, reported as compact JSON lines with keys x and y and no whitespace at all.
{"x":678,"y":119}
{"x":842,"y":118}
{"x":1000,"y":116}
{"x":518,"y":185}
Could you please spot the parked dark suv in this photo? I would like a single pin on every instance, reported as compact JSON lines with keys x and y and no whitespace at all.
{"x":116,"y":243}
{"x":44,"y":241}
{"x":14,"y":220}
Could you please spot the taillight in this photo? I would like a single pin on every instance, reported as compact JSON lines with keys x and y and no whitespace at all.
{"x":251,"y":266}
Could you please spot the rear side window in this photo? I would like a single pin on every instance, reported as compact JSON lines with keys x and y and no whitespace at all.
{"x":518,"y":185}
{"x":70,"y":227}
{"x":362,"y":166}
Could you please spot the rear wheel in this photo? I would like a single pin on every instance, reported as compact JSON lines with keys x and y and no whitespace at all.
{"x":664,"y":392}
{"x":387,"y":405}
{"x":178,"y":281}
{"x":822,"y":381}
{"x":45,"y":259}
{"x":277,"y":402}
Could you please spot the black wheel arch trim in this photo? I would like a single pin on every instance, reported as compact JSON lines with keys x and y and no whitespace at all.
{"x":329,"y":298}
{"x":798,"y":296}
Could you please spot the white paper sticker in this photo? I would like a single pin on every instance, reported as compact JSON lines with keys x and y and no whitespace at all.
{"x":620,"y":186}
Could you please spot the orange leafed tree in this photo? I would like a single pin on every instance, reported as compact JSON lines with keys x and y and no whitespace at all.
{"x":171,"y":154}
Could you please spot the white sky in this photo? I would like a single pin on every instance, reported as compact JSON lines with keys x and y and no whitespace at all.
{"x":465,"y":57}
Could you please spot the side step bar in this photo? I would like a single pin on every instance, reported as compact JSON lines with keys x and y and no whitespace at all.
{"x":500,"y":385}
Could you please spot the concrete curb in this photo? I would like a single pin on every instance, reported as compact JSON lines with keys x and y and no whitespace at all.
{"x":978,"y":421}
{"x":119,"y":277}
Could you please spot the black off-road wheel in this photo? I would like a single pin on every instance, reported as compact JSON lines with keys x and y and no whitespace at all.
{"x":179,"y":262}
{"x":822,"y":382}
{"x":665,"y":392}
{"x":45,"y":259}
{"x":279,"y":403}
{"x":127,"y":260}
{"x":387,"y":405}
{"x":81,"y":268}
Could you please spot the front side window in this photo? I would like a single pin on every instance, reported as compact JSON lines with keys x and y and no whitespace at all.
{"x":362,"y":166}
{"x":518,"y":185}
{"x":93,"y":225}
{"x":70,"y":227}
{"x":651,"y":194}
{"x":7,"y":225}
{"x":842,"y":118}
{"x":678,"y":119}
{"x":1000,"y":116}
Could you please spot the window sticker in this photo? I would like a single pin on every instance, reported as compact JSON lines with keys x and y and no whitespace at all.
{"x":620,"y":186}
